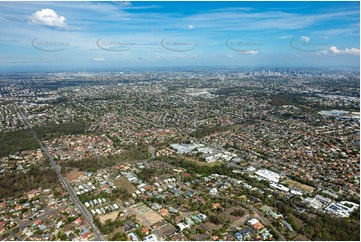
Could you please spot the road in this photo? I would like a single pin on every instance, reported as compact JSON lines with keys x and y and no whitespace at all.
{"x":15,"y":235}
{"x":74,"y":198}
{"x":180,"y":183}
{"x":265,"y":221}
{"x":240,"y":221}
{"x":23,"y":224}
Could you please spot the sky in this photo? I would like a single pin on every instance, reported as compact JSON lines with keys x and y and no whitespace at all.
{"x":59,"y":36}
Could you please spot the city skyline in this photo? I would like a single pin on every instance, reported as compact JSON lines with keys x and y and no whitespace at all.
{"x":61,"y":36}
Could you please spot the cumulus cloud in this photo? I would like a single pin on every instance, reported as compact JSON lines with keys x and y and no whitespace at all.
{"x":352,"y":51}
{"x":99,"y":59}
{"x":305,"y":39}
{"x":48,"y":17}
{"x":190,"y":26}
{"x":335,"y":50}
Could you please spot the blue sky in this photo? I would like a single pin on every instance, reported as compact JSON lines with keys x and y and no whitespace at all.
{"x":53,"y":36}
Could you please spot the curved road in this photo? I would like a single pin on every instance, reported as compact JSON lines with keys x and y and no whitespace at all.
{"x":74,"y":198}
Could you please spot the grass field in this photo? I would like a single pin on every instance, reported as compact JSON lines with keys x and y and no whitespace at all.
{"x":112,"y":216}
{"x":73,"y":174}
{"x":202,"y":163}
{"x":227,"y":214}
{"x":300,"y":185}
{"x":122,"y":182}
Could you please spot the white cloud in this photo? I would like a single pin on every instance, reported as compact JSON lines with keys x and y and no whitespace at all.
{"x":190,"y":26}
{"x":334,"y":50}
{"x":321,"y":52}
{"x":286,"y":36}
{"x":305,"y":38}
{"x":126,"y":4}
{"x":99,"y":59}
{"x":352,"y":51}
{"x":48,"y":17}
{"x":249,"y":52}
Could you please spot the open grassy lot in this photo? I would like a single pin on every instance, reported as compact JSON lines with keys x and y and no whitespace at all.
{"x":227,"y":214}
{"x":122,"y":182}
{"x":73,"y":174}
{"x":300,"y":185}
{"x":112,"y":216}
{"x":202,"y":163}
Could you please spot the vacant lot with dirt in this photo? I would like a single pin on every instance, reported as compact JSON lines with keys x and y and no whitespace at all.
{"x":112,"y":216}
{"x":299,"y":185}
{"x":122,"y":182}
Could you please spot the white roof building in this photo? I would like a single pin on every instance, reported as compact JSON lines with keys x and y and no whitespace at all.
{"x":280,"y":187}
{"x":213,"y":191}
{"x":269,"y":175}
{"x":338,"y":209}
{"x":341,"y":209}
{"x":185,"y":148}
{"x":181,"y":226}
{"x":253,"y":221}
{"x":323,"y":199}
{"x":313,"y":202}
{"x":251,"y":169}
{"x":296,"y":192}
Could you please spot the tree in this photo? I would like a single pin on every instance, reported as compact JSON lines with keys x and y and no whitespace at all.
{"x":355,"y":215}
{"x":214,"y":219}
{"x":14,"y":184}
{"x":63,"y":237}
{"x":121,"y":193}
{"x":146,"y":174}
{"x":327,"y":227}
{"x":275,"y":235}
{"x":238,"y":213}
{"x":138,"y":231}
{"x":119,"y":237}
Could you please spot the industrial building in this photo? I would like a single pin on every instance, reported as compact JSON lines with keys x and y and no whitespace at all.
{"x":269,"y":175}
